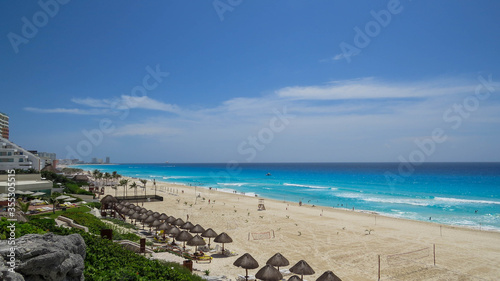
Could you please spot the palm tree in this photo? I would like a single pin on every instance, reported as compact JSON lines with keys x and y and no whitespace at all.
{"x":52,"y":200}
{"x":23,"y":207}
{"x":144,"y":182}
{"x":115,"y":175}
{"x":99,"y":177}
{"x":115,"y":188}
{"x":106,"y":177}
{"x":134,"y":186}
{"x":124,"y":183}
{"x":95,"y":172}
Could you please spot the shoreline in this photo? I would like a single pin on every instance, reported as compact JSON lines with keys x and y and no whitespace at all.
{"x":468,"y":221}
{"x":348,"y":210}
{"x":327,"y":238}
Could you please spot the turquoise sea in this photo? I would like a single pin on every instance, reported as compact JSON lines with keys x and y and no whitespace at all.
{"x":464,"y":194}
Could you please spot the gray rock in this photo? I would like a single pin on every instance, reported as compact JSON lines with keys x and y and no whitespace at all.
{"x":45,"y":257}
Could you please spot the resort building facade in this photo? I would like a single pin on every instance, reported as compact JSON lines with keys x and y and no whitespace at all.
{"x":13,"y":156}
{"x":4,"y":125}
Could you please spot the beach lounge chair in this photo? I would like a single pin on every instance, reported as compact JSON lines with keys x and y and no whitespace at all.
{"x":204,"y":248}
{"x":217,"y":249}
{"x":202,"y":259}
{"x":242,"y":277}
{"x":285,"y":271}
{"x":229,"y":253}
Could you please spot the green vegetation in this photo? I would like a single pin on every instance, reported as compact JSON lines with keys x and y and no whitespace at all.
{"x":81,"y":209}
{"x":104,"y":259}
{"x":94,"y":205}
{"x":121,"y":223}
{"x":21,"y":229}
{"x":56,"y":178}
{"x":94,"y":224}
{"x":21,"y":171}
{"x":73,"y":188}
{"x":70,"y":185}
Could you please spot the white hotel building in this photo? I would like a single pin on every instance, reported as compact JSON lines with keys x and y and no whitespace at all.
{"x":13,"y":156}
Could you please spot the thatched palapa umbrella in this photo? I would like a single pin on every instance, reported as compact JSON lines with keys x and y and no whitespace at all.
{"x":143,"y":210}
{"x":247,"y":262}
{"x":187,"y":226}
{"x":294,"y":278}
{"x":173,"y":232}
{"x":148,"y":221}
{"x":156,"y":223}
{"x":149,"y":212}
{"x":156,"y":214}
{"x":278,"y":260}
{"x":142,"y":218}
{"x":164,"y":226}
{"x":170,"y":220}
{"x":269,"y":273}
{"x":223,"y":238}
{"x":328,"y":276}
{"x":124,"y":210}
{"x":178,"y":222}
{"x":209,"y":233}
{"x":108,"y":201}
{"x":197,"y":229}
{"x":302,"y":268}
{"x":196,"y":241}
{"x":163,"y":217}
{"x":130,"y":212}
{"x":184,"y":236}
{"x":135,"y":216}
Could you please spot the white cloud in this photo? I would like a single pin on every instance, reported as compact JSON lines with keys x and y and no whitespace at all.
{"x":92,"y":102}
{"x":339,"y":56}
{"x":77,"y":111}
{"x":114,"y":105}
{"x":369,"y":88}
{"x":145,"y":102}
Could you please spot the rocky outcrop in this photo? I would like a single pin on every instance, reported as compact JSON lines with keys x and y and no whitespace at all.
{"x":44,"y":257}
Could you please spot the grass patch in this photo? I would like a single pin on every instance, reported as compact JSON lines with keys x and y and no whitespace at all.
{"x":121,"y":223}
{"x":81,"y":209}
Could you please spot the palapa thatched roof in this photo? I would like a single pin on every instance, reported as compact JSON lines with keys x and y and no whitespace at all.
{"x":108,"y":199}
{"x":246,"y":261}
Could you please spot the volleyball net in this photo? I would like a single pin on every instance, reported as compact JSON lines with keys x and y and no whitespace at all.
{"x":261,"y":235}
{"x":411,"y":256}
{"x":407,"y":262}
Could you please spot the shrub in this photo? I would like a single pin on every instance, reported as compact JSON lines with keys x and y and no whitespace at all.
{"x":94,"y":205}
{"x":20,"y":230}
{"x":106,"y":260}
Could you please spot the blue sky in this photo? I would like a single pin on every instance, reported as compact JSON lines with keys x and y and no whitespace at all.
{"x":253,"y":81}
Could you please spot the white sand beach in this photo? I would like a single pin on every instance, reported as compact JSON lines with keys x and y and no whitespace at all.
{"x":344,"y":241}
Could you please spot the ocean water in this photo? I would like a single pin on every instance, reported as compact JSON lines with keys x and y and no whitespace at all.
{"x":464,"y":194}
